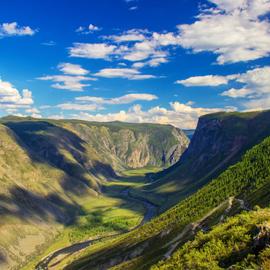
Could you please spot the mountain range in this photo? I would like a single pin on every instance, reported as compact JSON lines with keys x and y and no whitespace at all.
{"x":209,"y":197}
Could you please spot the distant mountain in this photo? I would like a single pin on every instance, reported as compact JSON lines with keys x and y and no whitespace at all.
{"x":48,"y":167}
{"x":240,"y":187}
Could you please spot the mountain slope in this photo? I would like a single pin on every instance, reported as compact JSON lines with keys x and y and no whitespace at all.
{"x":241,"y":186}
{"x":50,"y":169}
{"x":242,"y":242}
{"x":218,"y":142}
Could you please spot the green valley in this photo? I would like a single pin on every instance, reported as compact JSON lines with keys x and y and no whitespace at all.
{"x":61,"y":181}
{"x":109,"y":215}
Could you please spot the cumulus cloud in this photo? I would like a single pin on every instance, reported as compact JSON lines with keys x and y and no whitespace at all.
{"x":13,"y":29}
{"x":180,"y":115}
{"x":11,"y":98}
{"x":127,"y":73}
{"x":133,"y":45}
{"x":237,"y":93}
{"x":208,"y":80}
{"x":234,"y":30}
{"x":258,"y":80}
{"x":92,"y":50}
{"x":256,"y":86}
{"x":72,"y":69}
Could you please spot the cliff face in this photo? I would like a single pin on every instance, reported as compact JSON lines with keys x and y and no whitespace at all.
{"x":132,"y":146}
{"x":100,"y":148}
{"x":219,"y":141}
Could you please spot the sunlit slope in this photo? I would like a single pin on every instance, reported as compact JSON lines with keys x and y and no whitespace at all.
{"x":242,"y":242}
{"x":241,"y":186}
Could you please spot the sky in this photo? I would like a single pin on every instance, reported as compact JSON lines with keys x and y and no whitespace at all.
{"x":158,"y":61}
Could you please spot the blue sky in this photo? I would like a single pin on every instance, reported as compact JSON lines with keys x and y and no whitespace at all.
{"x":134,"y":60}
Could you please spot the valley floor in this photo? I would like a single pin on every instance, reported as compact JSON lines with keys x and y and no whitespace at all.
{"x":114,"y":212}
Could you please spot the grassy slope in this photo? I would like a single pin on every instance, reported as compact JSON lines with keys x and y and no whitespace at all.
{"x":242,"y":242}
{"x":249,"y":180}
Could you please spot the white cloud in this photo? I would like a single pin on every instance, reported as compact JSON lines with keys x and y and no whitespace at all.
{"x":256,"y":86}
{"x":237,"y":93}
{"x":155,"y":62}
{"x":208,"y":80}
{"x":142,"y":51}
{"x":180,"y":115}
{"x":13,"y":29}
{"x":72,"y":79}
{"x":129,"y":98}
{"x":93,"y":27}
{"x":91,"y":103}
{"x":257,"y":79}
{"x":11,"y":98}
{"x":79,"y":107}
{"x":66,"y":82}
{"x":92,"y":50}
{"x":132,"y":45}
{"x":127,"y":73}
{"x":258,"y":104}
{"x":72,"y":69}
{"x":233,"y":30}
{"x":129,"y":36}
{"x":88,"y":30}
{"x":133,"y":8}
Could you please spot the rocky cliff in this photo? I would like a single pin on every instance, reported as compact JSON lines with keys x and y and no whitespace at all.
{"x":219,"y":141}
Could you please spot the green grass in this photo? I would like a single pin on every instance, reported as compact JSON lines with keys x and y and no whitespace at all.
{"x":249,"y":180}
{"x":103,"y":215}
{"x":232,"y":244}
